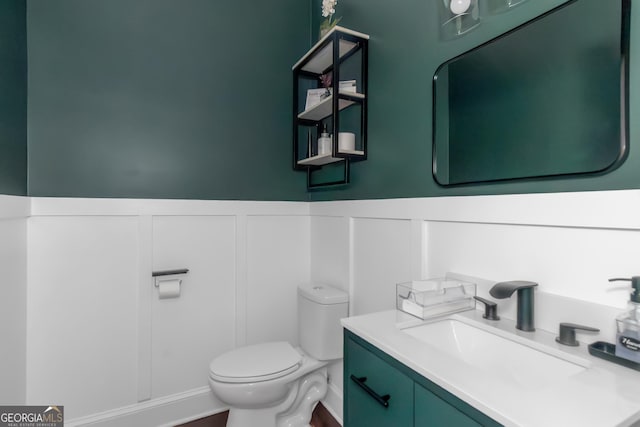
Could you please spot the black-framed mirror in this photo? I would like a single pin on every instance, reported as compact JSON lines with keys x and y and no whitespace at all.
{"x":547,"y":99}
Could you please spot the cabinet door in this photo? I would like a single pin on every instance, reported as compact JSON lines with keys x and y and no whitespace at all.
{"x":430,"y":410}
{"x":362,"y":404}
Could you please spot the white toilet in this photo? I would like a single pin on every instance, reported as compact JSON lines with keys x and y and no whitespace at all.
{"x":274,"y":384}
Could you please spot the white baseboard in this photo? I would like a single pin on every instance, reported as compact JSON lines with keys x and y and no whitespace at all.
{"x":333,"y":402}
{"x":180,"y":408}
{"x":164,"y":412}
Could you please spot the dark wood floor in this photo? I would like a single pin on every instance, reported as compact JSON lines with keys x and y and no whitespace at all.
{"x":218,"y":420}
{"x":321,"y":418}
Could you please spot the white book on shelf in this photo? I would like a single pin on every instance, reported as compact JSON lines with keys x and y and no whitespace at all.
{"x":316,"y":96}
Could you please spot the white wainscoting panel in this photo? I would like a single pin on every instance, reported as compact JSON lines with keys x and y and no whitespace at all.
{"x":82,"y":313}
{"x":88,"y":311}
{"x":189,"y":331}
{"x":572,"y":262}
{"x":278,"y":260}
{"x":13,"y":306}
{"x":145,"y":292}
{"x":331,"y":264}
{"x":14,"y":207}
{"x":100,"y":341}
{"x":382,"y":257}
{"x":330,"y":260}
{"x":594,"y":209}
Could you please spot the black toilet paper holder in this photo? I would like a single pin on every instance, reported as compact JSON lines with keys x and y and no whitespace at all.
{"x":157,"y":274}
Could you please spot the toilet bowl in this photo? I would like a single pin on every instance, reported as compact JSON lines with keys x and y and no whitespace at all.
{"x":268,"y":398}
{"x":274,"y":384}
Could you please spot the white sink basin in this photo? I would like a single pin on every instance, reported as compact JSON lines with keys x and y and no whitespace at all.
{"x":497,"y":355}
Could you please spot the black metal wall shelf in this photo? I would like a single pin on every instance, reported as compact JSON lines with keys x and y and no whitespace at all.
{"x":325,"y":108}
{"x":331,"y":53}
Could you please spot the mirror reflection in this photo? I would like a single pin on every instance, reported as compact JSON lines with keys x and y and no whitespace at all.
{"x":547,"y":99}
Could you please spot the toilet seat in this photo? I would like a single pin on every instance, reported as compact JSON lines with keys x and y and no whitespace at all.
{"x":259,"y":362}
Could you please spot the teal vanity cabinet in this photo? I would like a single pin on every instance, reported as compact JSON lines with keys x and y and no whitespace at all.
{"x":376,"y":392}
{"x":430,"y":410}
{"x":379,"y":391}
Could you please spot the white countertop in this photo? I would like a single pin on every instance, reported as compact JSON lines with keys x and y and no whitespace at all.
{"x":604,"y":394}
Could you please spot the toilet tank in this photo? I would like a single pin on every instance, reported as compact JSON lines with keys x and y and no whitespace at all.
{"x":320,"y":308}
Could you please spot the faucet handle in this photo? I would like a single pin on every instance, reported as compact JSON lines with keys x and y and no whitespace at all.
{"x":568,"y":333}
{"x":490,"y":308}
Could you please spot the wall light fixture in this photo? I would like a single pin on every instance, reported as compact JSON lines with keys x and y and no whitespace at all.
{"x":457,"y":17}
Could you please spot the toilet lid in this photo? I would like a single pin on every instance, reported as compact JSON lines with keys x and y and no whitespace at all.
{"x":260,"y":362}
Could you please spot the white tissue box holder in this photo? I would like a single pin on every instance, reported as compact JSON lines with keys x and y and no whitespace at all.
{"x":435,"y":297}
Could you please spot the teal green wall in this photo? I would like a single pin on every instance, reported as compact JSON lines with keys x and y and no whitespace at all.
{"x":13,"y":98}
{"x":163,"y":98}
{"x":404,"y":52}
{"x":192,"y":99}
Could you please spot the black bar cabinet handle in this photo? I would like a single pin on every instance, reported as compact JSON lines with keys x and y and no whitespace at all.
{"x":383,"y":400}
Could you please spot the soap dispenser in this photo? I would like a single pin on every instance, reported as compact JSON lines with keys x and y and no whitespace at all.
{"x":324,"y":142}
{"x":628,"y":336}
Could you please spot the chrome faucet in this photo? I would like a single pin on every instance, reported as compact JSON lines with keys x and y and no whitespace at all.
{"x":525,"y":301}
